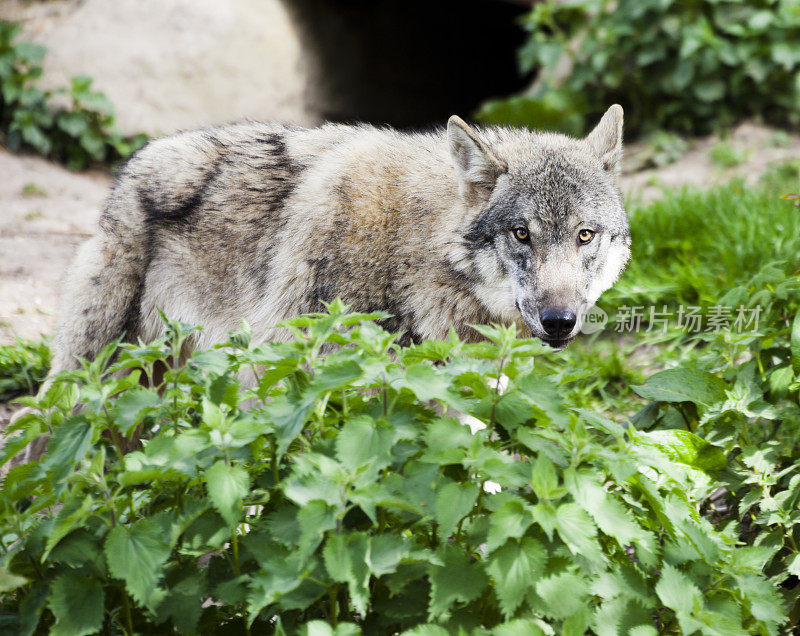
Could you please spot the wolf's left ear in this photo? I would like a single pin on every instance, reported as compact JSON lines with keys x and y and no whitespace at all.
{"x":476,"y":165}
{"x":606,"y":138}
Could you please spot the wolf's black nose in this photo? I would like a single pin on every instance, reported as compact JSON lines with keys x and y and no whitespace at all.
{"x":557,"y":322}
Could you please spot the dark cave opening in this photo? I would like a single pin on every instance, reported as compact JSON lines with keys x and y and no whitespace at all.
{"x":411,"y":63}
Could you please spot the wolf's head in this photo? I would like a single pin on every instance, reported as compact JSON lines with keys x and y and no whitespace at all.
{"x":546,"y":231}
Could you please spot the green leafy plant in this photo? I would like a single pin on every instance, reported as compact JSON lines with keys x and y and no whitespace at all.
{"x":346,"y":498}
{"x":724,"y":155}
{"x":80,"y":134}
{"x":692,"y":246}
{"x":664,"y":148}
{"x":688,"y":67}
{"x":23,"y":366}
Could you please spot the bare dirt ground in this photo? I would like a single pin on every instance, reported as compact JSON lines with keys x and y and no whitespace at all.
{"x":45,"y":212}
{"x":757,"y":145}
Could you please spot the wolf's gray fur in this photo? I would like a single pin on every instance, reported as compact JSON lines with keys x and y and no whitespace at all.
{"x":260,"y":222}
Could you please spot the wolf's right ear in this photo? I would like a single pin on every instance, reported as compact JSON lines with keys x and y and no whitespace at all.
{"x":606,"y":138}
{"x":476,"y":166}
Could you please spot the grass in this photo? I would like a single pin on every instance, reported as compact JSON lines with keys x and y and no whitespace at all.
{"x":724,"y":155}
{"x":33,"y":190}
{"x":692,"y":246}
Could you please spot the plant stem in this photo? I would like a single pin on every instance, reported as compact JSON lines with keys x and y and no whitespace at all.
{"x":237,"y":569}
{"x":496,"y":391}
{"x":126,"y":604}
{"x":333,"y":594}
{"x":274,"y":460}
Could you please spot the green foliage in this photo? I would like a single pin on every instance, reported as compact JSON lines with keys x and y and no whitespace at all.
{"x":23,"y":366}
{"x":664,"y":148}
{"x":692,"y":246}
{"x":688,"y":67}
{"x":337,"y":496}
{"x":724,"y":155}
{"x":80,"y":134}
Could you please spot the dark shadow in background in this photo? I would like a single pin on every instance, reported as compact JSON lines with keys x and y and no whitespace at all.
{"x":408,"y":63}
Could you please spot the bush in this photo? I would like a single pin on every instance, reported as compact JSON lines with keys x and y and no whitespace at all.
{"x":688,"y":67}
{"x":347,"y":498}
{"x":79,"y":135}
{"x":23,"y":366}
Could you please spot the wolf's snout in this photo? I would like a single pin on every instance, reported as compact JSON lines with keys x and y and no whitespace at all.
{"x":557,"y":322}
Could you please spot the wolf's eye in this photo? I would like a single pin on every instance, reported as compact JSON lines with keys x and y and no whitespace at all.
{"x":521,"y":233}
{"x":585,"y":236}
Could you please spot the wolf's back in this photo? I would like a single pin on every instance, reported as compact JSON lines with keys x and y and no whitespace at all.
{"x":180,"y":186}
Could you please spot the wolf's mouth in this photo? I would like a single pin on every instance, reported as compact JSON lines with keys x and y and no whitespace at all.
{"x":558,"y":345}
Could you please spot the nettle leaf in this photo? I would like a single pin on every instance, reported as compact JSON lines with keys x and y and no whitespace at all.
{"x":542,"y":393}
{"x":284,"y":525}
{"x":321,"y":628}
{"x":136,"y":554}
{"x":429,"y":383}
{"x":68,"y":445}
{"x":677,"y":591}
{"x":544,"y":479}
{"x":454,"y":502}
{"x":684,"y":385}
{"x":621,"y":615}
{"x":515,"y":567}
{"x":77,"y":604}
{"x":578,"y":531}
{"x":687,"y":448}
{"x":608,"y":513}
{"x":426,"y":630}
{"x":314,"y":519}
{"x":564,"y":594}
{"x":361,"y":441}
{"x":510,"y":521}
{"x":795,"y":343}
{"x":601,"y":423}
{"x":31,"y":607}
{"x":456,"y":580}
{"x":385,"y":551}
{"x":447,"y":441}
{"x":10,"y":581}
{"x":345,"y":558}
{"x":427,"y":350}
{"x":316,"y":476}
{"x":132,"y":405}
{"x":227,"y":485}
{"x":289,"y":412}
{"x":764,"y":600}
{"x":520,"y":627}
{"x":184,"y":602}
{"x":79,"y":548}
{"x":279,"y":576}
{"x":71,"y":515}
{"x":793,"y":564}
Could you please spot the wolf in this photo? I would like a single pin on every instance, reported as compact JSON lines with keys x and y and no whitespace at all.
{"x":261,"y":221}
